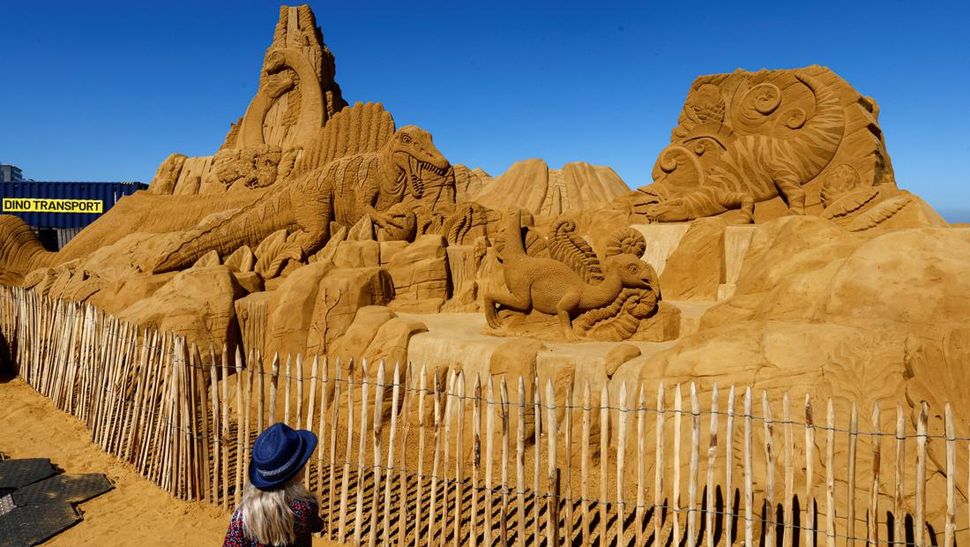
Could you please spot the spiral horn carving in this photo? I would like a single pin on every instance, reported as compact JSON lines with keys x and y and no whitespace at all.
{"x":626,"y":241}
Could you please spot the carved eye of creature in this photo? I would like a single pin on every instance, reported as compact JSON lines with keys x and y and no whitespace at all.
{"x":633,"y":268}
{"x":406,"y":139}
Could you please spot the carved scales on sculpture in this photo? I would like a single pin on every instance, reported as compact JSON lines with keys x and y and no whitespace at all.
{"x":572,"y":281}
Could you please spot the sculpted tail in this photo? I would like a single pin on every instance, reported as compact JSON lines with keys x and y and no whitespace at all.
{"x":20,"y":250}
{"x":224,"y":235}
{"x":820,"y":137}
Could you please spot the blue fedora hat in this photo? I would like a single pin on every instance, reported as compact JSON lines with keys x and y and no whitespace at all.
{"x":278,"y":454}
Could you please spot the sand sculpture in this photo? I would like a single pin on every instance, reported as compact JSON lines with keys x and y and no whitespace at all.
{"x":768,"y":138}
{"x":572,"y":280}
{"x":370,"y":184}
{"x":773,"y":248}
{"x":742,"y":168}
{"x":547,"y":193}
{"x":320,"y":227}
{"x":296,"y":98}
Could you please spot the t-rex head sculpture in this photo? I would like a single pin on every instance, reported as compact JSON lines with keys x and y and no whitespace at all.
{"x":414,"y":153}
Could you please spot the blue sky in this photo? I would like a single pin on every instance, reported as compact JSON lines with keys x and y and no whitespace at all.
{"x":104,"y":91}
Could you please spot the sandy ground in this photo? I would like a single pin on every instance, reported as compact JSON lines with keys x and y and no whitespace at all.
{"x":135,"y":512}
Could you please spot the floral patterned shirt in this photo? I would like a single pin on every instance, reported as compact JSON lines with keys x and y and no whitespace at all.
{"x":306,"y":522}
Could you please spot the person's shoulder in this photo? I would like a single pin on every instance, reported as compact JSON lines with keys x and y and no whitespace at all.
{"x":235,"y":537}
{"x":303,"y":505}
{"x":307,"y":515}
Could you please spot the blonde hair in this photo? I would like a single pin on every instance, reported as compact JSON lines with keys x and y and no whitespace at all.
{"x":266,"y":515}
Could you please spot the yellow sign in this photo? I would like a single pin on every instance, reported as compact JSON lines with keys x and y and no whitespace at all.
{"x":40,"y":205}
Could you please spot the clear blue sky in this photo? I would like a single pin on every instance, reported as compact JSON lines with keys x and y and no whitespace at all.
{"x":104,"y":91}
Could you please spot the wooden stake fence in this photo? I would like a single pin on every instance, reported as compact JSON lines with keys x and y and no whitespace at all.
{"x":409,"y":455}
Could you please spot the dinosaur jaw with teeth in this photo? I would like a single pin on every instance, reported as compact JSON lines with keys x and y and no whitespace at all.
{"x":417,"y":170}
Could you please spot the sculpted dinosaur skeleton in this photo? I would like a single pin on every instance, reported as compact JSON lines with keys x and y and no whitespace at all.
{"x":745,"y":168}
{"x":573,"y":280}
{"x":378,"y":185}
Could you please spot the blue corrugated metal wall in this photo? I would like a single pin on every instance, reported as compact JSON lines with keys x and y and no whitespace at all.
{"x":107,"y":192}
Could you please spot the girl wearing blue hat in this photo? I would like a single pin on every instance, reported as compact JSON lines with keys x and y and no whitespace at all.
{"x":276,"y":509}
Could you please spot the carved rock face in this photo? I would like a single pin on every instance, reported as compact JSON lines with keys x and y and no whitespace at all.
{"x":167,"y":174}
{"x":545,"y":192}
{"x":860,"y":207}
{"x":197,"y":303}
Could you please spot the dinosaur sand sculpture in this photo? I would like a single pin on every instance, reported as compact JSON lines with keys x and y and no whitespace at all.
{"x":297,"y":121}
{"x":372,"y":184}
{"x":714,"y":167}
{"x":573,"y":280}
